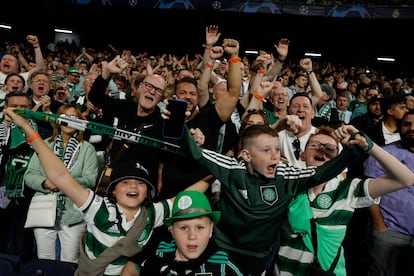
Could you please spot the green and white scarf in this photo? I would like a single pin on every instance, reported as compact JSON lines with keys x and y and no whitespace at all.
{"x":69,"y":156}
{"x":20,"y":154}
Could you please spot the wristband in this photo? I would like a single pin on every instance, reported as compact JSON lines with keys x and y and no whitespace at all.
{"x":280,"y":60}
{"x":308,"y":73}
{"x":234,"y":59}
{"x":259,"y":97}
{"x":208,"y":64}
{"x":207,"y":48}
{"x":33,"y":137}
{"x":260,"y":71}
{"x":369,"y":141}
{"x":36,"y":46}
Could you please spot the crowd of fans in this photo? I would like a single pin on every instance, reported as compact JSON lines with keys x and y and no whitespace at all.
{"x":226,"y":93}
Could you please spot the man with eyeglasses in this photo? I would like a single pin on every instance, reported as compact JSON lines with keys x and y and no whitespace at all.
{"x":39,"y":86}
{"x":73,"y":78}
{"x":140,"y":116}
{"x":279,"y":99}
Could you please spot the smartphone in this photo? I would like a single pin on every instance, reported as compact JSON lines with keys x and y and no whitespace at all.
{"x":173,"y":127}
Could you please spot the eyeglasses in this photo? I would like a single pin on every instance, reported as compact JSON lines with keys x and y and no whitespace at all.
{"x":149,"y":86}
{"x":74,"y":75}
{"x":70,"y":116}
{"x":329,"y":149}
{"x":40,"y":81}
{"x":296,"y":144}
{"x":254,"y":110}
{"x":280,"y":94}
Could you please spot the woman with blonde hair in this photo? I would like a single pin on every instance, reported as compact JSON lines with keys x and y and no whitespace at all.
{"x":79,"y":157}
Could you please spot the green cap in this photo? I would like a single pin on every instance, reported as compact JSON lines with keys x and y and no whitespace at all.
{"x":72,"y":70}
{"x":191,"y":204}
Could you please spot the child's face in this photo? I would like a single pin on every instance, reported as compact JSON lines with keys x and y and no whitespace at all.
{"x":320,"y":149}
{"x":191,"y":237}
{"x":263,"y":155}
{"x":130,"y":193}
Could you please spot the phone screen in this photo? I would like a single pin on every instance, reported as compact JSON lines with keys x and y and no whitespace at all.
{"x":174,"y":126}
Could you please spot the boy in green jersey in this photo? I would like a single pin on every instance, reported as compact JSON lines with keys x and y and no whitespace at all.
{"x":257,"y":190}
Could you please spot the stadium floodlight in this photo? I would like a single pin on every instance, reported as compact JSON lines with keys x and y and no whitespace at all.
{"x":386,"y":59}
{"x":312,"y":54}
{"x":63,"y":31}
{"x":4,"y":26}
{"x":251,"y":52}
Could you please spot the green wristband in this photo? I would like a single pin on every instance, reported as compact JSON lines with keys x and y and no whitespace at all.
{"x":369,"y":141}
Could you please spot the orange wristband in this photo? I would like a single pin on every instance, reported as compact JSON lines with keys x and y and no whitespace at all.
{"x":259,"y":97}
{"x":260,"y":71}
{"x":207,"y":48}
{"x":33,"y":137}
{"x":234,"y":60}
{"x":208,"y":64}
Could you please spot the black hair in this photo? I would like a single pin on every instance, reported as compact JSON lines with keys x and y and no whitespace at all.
{"x":387,"y":102}
{"x":17,"y":94}
{"x":15,"y":74}
{"x":186,"y":80}
{"x":300,"y":94}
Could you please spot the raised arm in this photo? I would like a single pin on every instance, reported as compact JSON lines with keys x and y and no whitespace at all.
{"x":260,"y":95}
{"x":208,"y":60}
{"x":226,"y":104}
{"x":397,"y":175}
{"x":316,"y":90}
{"x":53,"y":167}
{"x":97,"y":94}
{"x":32,"y":39}
{"x":282,"y":49}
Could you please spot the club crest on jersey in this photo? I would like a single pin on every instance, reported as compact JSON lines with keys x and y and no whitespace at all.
{"x":269,"y":194}
{"x":324,"y":201}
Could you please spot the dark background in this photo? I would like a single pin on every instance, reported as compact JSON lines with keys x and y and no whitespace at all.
{"x":350,"y":41}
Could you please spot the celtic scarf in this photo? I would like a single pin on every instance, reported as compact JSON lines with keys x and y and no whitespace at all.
{"x":69,"y":155}
{"x":20,"y":154}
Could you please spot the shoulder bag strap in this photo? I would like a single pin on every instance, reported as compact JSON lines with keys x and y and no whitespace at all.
{"x":126,"y":246}
{"x":315,"y":247}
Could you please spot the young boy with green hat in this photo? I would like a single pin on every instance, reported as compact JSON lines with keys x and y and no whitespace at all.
{"x":192,"y":252}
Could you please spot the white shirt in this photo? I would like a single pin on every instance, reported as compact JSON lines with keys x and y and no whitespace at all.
{"x":288,"y":150}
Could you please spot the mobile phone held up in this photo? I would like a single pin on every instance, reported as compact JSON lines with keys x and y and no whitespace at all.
{"x":173,"y":128}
